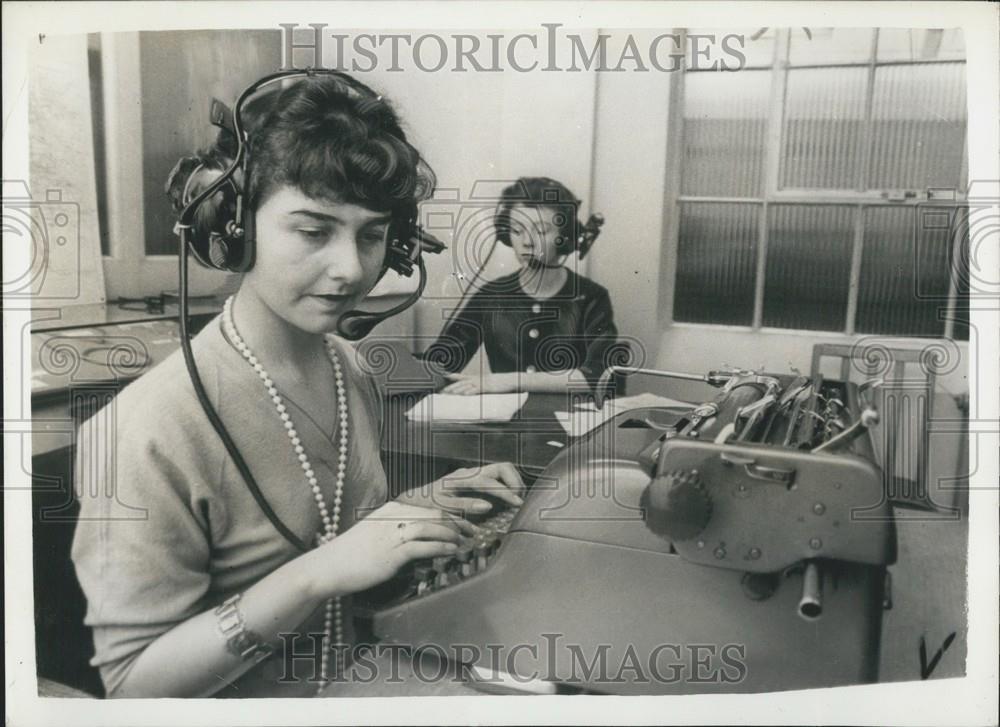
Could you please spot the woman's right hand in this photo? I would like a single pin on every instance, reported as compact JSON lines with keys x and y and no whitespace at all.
{"x":466,"y":385}
{"x":374,"y":548}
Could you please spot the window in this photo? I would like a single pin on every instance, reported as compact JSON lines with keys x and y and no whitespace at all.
{"x":173,"y":75}
{"x":821,"y":186}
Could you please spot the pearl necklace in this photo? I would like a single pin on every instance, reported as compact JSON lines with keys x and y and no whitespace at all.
{"x":333,"y":621}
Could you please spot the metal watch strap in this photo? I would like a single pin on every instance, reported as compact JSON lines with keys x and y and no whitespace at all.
{"x":240,"y":641}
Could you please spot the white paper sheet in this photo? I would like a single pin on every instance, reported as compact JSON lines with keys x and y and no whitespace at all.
{"x":587,"y":416}
{"x":458,"y":408}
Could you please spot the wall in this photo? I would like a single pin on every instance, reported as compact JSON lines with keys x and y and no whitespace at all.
{"x":62,"y":228}
{"x":629,"y":187}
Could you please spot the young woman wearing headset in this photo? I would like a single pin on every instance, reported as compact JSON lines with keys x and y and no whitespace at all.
{"x":193,"y":568}
{"x":544,"y":327}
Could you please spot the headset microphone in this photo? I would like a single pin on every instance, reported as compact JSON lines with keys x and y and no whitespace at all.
{"x":357,"y":324}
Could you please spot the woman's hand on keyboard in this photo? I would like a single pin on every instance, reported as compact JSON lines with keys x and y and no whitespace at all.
{"x":376,"y":547}
{"x":460,"y":491}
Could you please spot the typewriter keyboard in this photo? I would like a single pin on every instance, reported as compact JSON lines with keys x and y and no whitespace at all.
{"x":472,"y":557}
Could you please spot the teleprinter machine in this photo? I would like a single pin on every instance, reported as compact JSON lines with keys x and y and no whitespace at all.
{"x":739,"y":546}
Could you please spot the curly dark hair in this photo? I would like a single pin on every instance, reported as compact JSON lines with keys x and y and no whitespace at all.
{"x":329,"y":137}
{"x":334,"y":140}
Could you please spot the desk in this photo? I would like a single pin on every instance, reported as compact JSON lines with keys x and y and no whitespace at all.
{"x":419,"y":452}
{"x":96,"y":359}
{"x":109,"y":314}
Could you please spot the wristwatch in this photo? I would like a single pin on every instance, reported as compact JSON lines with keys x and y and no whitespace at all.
{"x":240,"y":641}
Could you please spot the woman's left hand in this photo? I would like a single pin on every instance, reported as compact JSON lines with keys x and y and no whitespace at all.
{"x":485,"y":384}
{"x":500,"y":480}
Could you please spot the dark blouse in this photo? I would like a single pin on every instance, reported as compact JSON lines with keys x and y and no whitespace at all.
{"x":574,"y":329}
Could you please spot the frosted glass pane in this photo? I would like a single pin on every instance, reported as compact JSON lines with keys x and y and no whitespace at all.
{"x":716,"y":262}
{"x":725,"y":122}
{"x":808,"y":267}
{"x":823,"y":128}
{"x":920,"y":44}
{"x":829,"y":45}
{"x":904,"y":274}
{"x":918,"y":126}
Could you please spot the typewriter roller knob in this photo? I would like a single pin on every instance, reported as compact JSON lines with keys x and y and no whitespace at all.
{"x":676,"y":504}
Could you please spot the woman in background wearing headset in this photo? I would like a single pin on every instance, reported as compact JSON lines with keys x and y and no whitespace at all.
{"x":545,"y":328}
{"x":191,"y":589}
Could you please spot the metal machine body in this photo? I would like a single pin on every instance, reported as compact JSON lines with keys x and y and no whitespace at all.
{"x":739,"y":547}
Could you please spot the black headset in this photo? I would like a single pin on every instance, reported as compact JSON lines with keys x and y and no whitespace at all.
{"x":219,"y":226}
{"x":573,"y":236}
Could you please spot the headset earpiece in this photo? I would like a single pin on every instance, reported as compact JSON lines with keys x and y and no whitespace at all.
{"x":216,"y":237}
{"x":218,"y":251}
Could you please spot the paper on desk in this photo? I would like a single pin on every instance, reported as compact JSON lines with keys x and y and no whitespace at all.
{"x":587,"y":416}
{"x":458,"y":408}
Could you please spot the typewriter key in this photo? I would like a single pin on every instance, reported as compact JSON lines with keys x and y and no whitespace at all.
{"x":464,"y":557}
{"x":422,"y":575}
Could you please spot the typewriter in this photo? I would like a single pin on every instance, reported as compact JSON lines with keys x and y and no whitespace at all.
{"x":738,"y":546}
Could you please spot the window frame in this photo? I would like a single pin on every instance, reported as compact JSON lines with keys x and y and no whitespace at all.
{"x":859,"y":199}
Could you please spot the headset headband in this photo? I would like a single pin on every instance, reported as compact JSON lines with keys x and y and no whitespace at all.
{"x":233,"y":122}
